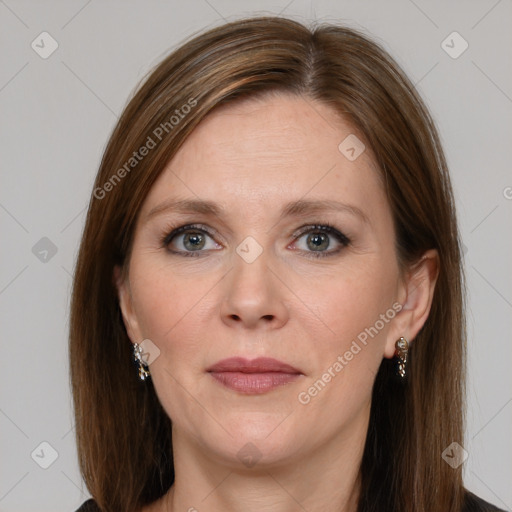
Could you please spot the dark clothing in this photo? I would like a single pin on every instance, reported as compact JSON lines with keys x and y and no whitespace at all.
{"x":475,"y":504}
{"x":472,"y":503}
{"x":89,"y":506}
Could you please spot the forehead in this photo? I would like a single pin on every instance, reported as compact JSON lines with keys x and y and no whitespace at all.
{"x":270,"y":150}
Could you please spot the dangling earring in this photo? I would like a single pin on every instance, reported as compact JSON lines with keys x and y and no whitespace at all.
{"x":401,"y":350}
{"x":143,"y":367}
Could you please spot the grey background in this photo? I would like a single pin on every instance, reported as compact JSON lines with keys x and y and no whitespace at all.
{"x":56,"y":116}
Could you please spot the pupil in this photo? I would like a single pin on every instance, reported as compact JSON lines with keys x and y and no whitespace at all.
{"x":195,"y":241}
{"x":318,"y":240}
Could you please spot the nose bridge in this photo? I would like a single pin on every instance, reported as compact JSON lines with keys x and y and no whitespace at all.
{"x":251,"y":294}
{"x":250,"y":279}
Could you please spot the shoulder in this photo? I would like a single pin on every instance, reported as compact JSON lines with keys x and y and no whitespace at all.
{"x":88,"y":506}
{"x":473,"y":503}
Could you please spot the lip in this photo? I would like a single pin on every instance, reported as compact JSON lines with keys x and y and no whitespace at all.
{"x":254,"y":376}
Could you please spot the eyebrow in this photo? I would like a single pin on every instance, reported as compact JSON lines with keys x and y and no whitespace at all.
{"x":297,"y":208}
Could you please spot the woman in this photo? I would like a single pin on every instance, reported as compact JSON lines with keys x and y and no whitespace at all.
{"x":272,"y":241}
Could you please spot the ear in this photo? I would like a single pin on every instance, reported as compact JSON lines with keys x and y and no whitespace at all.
{"x":126,"y":304}
{"x":415,"y":295}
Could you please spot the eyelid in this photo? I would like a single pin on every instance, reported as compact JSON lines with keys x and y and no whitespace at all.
{"x":173,"y":230}
{"x":326,"y":227}
{"x":342,"y":239}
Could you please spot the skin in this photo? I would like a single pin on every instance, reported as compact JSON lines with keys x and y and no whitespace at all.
{"x":252,"y":157}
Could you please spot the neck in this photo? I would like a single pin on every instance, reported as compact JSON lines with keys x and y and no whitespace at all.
{"x":326,"y":480}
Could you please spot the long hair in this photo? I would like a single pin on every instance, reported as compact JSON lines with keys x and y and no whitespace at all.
{"x":123,"y":434}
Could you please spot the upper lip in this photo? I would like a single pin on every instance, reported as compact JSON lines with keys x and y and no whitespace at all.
{"x":259,"y":365}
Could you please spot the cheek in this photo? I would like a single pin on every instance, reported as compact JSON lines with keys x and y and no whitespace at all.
{"x":357,"y":309}
{"x":170,"y":312}
{"x":161,"y":300}
{"x":357,"y":302}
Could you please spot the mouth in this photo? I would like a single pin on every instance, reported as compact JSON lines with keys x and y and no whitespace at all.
{"x":255,"y":376}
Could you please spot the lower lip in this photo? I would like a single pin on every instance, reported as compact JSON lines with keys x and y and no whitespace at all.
{"x":254,"y":383}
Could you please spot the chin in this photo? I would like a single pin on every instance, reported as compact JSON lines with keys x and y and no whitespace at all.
{"x":255,"y":439}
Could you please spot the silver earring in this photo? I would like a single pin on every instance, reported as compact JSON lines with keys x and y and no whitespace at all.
{"x":143,"y":367}
{"x":401,"y":350}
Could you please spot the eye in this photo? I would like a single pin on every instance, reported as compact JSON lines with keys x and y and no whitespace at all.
{"x":189,"y":239}
{"x":193,"y":239}
{"x":318,"y":239}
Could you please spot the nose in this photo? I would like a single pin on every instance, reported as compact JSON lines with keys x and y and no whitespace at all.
{"x":254,"y":296}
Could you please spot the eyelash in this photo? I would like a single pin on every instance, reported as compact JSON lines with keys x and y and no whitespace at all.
{"x":172,"y":231}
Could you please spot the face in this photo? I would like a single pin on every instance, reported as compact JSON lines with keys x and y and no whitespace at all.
{"x":293,"y":260}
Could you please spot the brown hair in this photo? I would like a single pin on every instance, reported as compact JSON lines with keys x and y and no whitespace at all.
{"x":123,"y":434}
